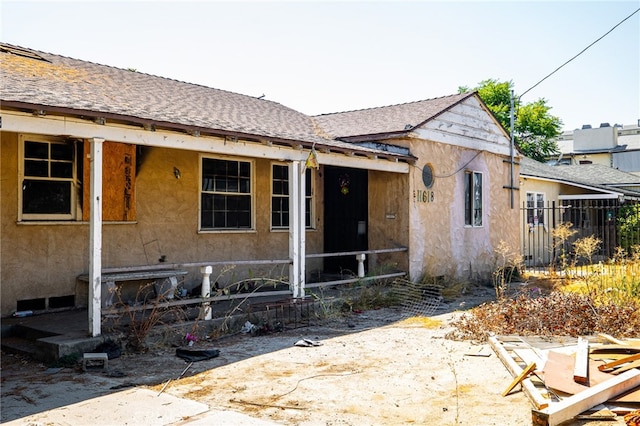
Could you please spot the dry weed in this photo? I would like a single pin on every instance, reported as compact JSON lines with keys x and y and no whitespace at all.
{"x":558,"y":313}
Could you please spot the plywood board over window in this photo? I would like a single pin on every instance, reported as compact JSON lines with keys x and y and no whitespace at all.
{"x":118,"y":182}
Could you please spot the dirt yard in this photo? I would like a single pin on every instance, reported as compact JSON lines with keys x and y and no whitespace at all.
{"x":377,"y":367}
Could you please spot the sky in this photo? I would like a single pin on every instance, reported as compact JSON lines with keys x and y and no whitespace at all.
{"x":330,"y":56}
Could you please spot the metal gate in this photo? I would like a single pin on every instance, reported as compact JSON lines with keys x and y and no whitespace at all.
{"x":614,"y":223}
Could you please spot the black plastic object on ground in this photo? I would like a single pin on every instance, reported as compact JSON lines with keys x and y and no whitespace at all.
{"x":197,"y":355}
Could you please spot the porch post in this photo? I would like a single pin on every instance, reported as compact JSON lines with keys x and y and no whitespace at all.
{"x":297,"y":228}
{"x":95,"y":238}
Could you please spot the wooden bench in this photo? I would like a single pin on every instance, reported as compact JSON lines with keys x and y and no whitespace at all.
{"x":165,"y":282}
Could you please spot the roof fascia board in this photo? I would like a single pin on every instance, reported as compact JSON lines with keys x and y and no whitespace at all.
{"x":83,"y":129}
{"x":373,"y":137}
{"x":612,"y":196}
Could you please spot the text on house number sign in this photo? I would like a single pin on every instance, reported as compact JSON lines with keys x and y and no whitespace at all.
{"x":420,"y":196}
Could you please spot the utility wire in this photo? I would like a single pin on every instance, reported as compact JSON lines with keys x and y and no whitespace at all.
{"x":581,"y":52}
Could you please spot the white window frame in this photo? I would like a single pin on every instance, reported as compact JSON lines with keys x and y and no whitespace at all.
{"x":469,"y":190}
{"x":309,"y":204}
{"x":536,"y":207}
{"x":251,"y":194}
{"x":74,"y":212}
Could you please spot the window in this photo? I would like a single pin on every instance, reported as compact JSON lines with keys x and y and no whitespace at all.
{"x":225,"y":199}
{"x":48,"y":179}
{"x":473,"y":199}
{"x":535,"y":208}
{"x":280,"y":197}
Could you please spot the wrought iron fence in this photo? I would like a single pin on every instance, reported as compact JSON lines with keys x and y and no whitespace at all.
{"x":544,"y":245}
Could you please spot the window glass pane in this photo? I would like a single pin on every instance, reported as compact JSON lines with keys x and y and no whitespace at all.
{"x":36,"y":168}
{"x":307,"y":213}
{"x":245,"y":186}
{"x":62,"y":151}
{"x":245,"y":170}
{"x":62,"y":170}
{"x":477,"y":199}
{"x":244,"y":203}
{"x":244,"y":220}
{"x":36,"y":150}
{"x":467,"y":199}
{"x":307,"y":183}
{"x":219,"y":220}
{"x":46,"y":197}
{"x":540,"y":208}
{"x":219,"y":202}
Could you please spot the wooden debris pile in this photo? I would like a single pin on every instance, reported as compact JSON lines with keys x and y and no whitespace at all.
{"x":597,"y":378}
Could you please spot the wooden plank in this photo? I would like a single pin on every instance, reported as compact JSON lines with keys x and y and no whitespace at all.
{"x":581,"y":364}
{"x":610,"y":339}
{"x":531,"y":355}
{"x":634,"y":364}
{"x":570,"y":407}
{"x":558,"y":373}
{"x":530,"y":368}
{"x":512,"y":366}
{"x":620,"y":361}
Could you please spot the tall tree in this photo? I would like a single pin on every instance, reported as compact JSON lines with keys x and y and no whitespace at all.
{"x":535,"y":129}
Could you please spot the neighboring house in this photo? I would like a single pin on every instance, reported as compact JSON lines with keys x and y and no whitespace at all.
{"x":105,"y":169}
{"x":616,"y":146}
{"x":589,"y":196}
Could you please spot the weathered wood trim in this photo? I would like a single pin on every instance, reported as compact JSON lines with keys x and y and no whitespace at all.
{"x":570,"y":407}
{"x":83,"y":129}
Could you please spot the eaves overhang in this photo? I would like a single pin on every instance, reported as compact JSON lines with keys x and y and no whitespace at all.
{"x":326,"y":146}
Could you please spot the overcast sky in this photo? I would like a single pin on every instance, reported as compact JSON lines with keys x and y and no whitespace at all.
{"x":319,"y":56}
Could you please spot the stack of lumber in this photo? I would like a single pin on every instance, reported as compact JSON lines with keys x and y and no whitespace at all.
{"x":595,"y":377}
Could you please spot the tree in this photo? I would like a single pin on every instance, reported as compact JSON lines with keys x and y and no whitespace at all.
{"x":535,"y":129}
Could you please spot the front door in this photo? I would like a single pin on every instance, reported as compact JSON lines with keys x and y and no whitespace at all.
{"x":345,"y":216}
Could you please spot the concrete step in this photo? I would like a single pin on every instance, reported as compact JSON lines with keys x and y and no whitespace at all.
{"x":20,"y":345}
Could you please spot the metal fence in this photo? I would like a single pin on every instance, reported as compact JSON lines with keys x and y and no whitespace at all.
{"x":549,"y":231}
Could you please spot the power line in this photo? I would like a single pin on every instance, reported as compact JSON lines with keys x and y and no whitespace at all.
{"x":581,"y":52}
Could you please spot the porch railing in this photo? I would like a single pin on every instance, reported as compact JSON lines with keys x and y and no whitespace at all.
{"x":206,"y":266}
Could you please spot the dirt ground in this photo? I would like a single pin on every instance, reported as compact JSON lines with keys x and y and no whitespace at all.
{"x":379,"y":367}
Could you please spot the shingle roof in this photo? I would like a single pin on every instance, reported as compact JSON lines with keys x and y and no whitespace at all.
{"x":595,"y":175}
{"x":388,"y":119}
{"x":69,"y":83}
{"x":38,"y":78}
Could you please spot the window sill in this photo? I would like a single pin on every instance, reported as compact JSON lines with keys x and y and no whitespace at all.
{"x":227,"y":231}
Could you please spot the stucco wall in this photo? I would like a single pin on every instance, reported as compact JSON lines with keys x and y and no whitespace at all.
{"x":440,"y":243}
{"x":43,"y":260}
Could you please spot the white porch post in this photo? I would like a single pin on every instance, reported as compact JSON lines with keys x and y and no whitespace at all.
{"x":297,"y":269}
{"x":95,"y":238}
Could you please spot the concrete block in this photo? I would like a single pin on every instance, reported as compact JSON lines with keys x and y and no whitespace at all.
{"x":94,"y":360}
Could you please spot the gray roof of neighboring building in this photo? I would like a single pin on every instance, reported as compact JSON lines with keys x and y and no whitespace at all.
{"x":597,"y":176}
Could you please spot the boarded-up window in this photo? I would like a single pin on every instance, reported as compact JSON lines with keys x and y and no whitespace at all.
{"x":118,"y":182}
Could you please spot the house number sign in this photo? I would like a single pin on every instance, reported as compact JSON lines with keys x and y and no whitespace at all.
{"x":422,"y":196}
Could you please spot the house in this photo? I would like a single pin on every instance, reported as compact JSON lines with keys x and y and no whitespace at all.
{"x":616,"y":146}
{"x":109,"y":171}
{"x":592,"y":197}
